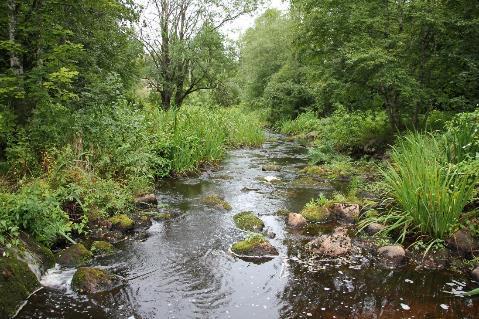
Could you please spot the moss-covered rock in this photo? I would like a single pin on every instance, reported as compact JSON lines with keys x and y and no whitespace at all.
{"x":122,"y":222}
{"x":101,"y":247}
{"x":38,"y":257}
{"x":89,"y":280}
{"x":162,"y":216}
{"x":254,"y":246}
{"x":74,"y":256}
{"x":315,"y":170}
{"x":248,"y":221}
{"x":17,"y":282}
{"x":216,"y":202}
{"x":315,"y":213}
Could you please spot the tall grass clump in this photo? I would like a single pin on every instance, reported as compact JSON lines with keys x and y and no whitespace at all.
{"x":303,"y":124}
{"x":430,"y":192}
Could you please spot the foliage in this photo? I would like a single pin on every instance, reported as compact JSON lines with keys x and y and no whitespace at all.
{"x":430,"y":191}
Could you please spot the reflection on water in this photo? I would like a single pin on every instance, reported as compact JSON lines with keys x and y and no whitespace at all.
{"x":183,"y":269}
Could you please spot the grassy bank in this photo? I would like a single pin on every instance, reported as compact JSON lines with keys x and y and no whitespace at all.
{"x":428,"y":179}
{"x":107,"y":157}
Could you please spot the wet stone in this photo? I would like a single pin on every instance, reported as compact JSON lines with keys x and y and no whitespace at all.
{"x":463,"y":243}
{"x":374,"y":228}
{"x":248,"y":221}
{"x":271,"y":168}
{"x":254,"y":246}
{"x":348,"y":213}
{"x":101,"y":247}
{"x":122,"y":223}
{"x":392,"y":255}
{"x":475,"y":274}
{"x":74,"y":256}
{"x":336,"y":244}
{"x":215,"y":201}
{"x":89,"y":280}
{"x":296,"y":220}
{"x":146,"y":200}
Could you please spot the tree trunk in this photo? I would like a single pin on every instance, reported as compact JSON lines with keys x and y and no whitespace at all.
{"x":15,"y":62}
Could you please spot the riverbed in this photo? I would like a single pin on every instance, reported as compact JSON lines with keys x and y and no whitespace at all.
{"x":182,"y":267}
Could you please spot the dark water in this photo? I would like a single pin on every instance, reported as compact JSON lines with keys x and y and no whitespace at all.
{"x":183,"y":268}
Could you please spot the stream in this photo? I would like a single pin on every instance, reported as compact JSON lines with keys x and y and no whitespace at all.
{"x":182,"y":268}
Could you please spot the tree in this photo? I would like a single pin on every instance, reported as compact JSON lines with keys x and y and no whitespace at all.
{"x":184,"y":45}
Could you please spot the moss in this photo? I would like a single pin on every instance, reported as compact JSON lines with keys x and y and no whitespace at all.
{"x":17,"y":282}
{"x":216,"y":201}
{"x":122,"y":222}
{"x":92,"y":280}
{"x":308,"y":181}
{"x":43,"y":255}
{"x":282,"y":212}
{"x":101,"y":248}
{"x":247,"y":245}
{"x":315,"y":213}
{"x":163,"y":216}
{"x":248,"y":221}
{"x":315,"y":170}
{"x":74,"y":256}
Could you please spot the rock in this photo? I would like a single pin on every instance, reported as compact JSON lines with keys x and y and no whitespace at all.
{"x":248,"y":221}
{"x":162,"y":216}
{"x":271,"y":168}
{"x":272,"y":179}
{"x":17,"y":282}
{"x":146,"y":200}
{"x":463,"y":242}
{"x":345,"y":212}
{"x":312,"y":135}
{"x":336,"y":244}
{"x":271,"y":234}
{"x":475,"y":274}
{"x":38,"y":258}
{"x":392,"y":255}
{"x":74,"y":256}
{"x":216,"y":202}
{"x":315,"y":213}
{"x":296,"y":220}
{"x":101,"y":247}
{"x":254,"y":246}
{"x":121,"y":222}
{"x":89,"y":280}
{"x":374,"y":228}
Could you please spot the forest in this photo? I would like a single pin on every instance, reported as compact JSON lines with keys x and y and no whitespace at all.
{"x":104,"y":102}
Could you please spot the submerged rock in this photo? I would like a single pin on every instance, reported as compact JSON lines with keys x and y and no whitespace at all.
{"x":101,"y":247}
{"x":296,"y":220}
{"x":254,"y":246}
{"x":248,"y":221}
{"x":17,"y":282}
{"x":345,"y":212}
{"x":89,"y":280}
{"x":271,"y":168}
{"x":392,"y":255}
{"x":74,"y":256}
{"x":475,"y":274}
{"x":216,"y":202}
{"x":146,"y":200}
{"x":333,"y":245}
{"x":122,"y":222}
{"x":374,"y":228}
{"x":463,"y":242}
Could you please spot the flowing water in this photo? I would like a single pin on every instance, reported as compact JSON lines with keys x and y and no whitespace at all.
{"x":182,"y":269}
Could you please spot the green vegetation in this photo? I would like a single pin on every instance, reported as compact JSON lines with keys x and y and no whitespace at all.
{"x":101,"y":248}
{"x":248,"y":221}
{"x":316,"y":210}
{"x":246,"y":246}
{"x":74,"y":256}
{"x":216,"y":202}
{"x":122,"y":222}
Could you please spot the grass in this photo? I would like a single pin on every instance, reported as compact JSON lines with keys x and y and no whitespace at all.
{"x":430,"y":192}
{"x":248,"y":221}
{"x":316,"y":210}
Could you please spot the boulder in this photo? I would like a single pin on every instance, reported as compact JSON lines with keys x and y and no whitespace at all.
{"x":463,"y":242}
{"x":475,"y":274}
{"x":392,"y":255}
{"x":74,"y":256}
{"x":121,"y":222}
{"x":254,"y":246}
{"x":348,"y":213}
{"x":296,"y":220}
{"x":101,"y":247}
{"x":17,"y":282}
{"x":89,"y":280}
{"x":146,"y":200}
{"x":248,"y":221}
{"x":374,"y":228}
{"x":333,"y":245}
{"x":38,"y":257}
{"x":316,"y":213}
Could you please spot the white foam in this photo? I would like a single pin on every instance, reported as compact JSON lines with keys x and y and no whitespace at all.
{"x":58,"y":278}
